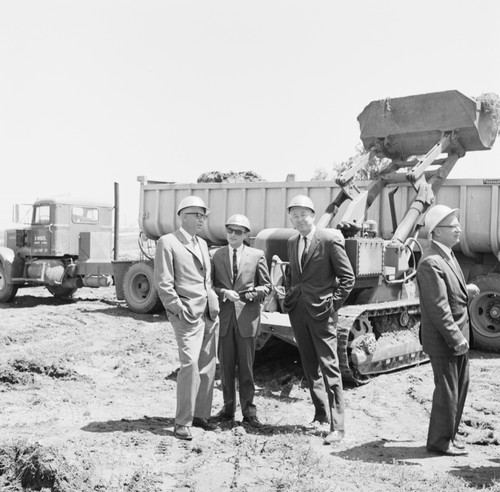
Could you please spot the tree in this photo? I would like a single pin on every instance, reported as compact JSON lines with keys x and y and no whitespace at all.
{"x":369,"y":172}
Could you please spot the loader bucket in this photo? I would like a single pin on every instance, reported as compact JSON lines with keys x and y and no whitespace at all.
{"x":412,"y":125}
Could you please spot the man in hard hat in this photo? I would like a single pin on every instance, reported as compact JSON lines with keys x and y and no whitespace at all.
{"x":241,"y":280}
{"x":317,"y":282}
{"x":184,"y":283}
{"x":444,"y":299}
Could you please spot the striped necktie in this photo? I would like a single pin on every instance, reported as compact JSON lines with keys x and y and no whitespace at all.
{"x":235,"y":266}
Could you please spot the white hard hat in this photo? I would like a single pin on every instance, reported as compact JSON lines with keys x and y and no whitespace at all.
{"x":239,"y":220}
{"x":301,"y":201}
{"x":192,"y":201}
{"x":436,"y":214}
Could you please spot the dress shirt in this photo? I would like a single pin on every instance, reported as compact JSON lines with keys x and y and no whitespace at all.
{"x":446,"y":249}
{"x":192,"y":240}
{"x":238,"y":256}
{"x":239,"y":251}
{"x":301,"y":243}
{"x":453,"y":259}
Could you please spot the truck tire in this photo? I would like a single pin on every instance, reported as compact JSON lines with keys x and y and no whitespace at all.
{"x":7,"y":290}
{"x":139,"y":290}
{"x":61,"y":292}
{"x":485,"y":313}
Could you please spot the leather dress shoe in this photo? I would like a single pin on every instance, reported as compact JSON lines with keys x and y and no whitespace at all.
{"x":319,"y":424}
{"x":203,"y":424}
{"x":451,"y":450}
{"x":334,"y":436}
{"x":320,"y":419}
{"x":182,"y":432}
{"x":223,"y":417}
{"x":253,"y":421}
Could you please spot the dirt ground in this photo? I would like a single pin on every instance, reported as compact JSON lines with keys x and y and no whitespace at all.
{"x":88,"y":399}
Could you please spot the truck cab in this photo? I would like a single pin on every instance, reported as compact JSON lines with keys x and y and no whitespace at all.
{"x":62,"y":228}
{"x":67,"y":244}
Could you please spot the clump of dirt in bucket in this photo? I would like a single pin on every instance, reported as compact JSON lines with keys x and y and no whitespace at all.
{"x":491,"y":104}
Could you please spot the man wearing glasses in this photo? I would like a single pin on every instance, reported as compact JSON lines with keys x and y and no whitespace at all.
{"x":183,"y":280}
{"x":444,"y":329}
{"x":241,"y":280}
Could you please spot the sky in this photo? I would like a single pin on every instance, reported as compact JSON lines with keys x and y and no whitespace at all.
{"x":97,"y":92}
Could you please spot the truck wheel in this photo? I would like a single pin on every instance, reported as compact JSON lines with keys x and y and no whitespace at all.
{"x":139,"y":290}
{"x":485,"y":313}
{"x":61,"y":292}
{"x":7,"y":291}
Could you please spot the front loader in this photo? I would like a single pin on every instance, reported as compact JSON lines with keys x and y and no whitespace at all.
{"x":421,"y":137}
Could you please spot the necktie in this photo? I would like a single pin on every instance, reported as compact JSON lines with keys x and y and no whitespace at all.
{"x":195,"y":244}
{"x":196,"y":248}
{"x":304,"y":254}
{"x":235,"y":266}
{"x":457,"y":265}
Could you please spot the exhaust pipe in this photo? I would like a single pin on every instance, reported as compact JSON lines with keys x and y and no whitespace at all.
{"x":116,"y":229}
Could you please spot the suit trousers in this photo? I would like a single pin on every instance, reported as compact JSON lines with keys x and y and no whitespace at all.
{"x":317,"y":342}
{"x":234,"y":350}
{"x":197,"y":346}
{"x":451,"y":380}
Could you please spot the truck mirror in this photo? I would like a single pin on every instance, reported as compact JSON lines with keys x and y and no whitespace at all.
{"x":21,"y":213}
{"x":15,"y":213}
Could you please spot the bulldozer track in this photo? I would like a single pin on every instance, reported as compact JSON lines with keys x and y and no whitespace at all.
{"x":364,"y":328}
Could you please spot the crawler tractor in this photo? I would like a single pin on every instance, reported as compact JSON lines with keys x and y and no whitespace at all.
{"x":421,"y":138}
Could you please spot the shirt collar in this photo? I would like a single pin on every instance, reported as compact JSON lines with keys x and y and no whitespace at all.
{"x":310,"y":235}
{"x":446,"y":249}
{"x":238,"y":250}
{"x":186,"y":234}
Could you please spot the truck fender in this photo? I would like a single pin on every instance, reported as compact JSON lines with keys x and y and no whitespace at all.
{"x":7,"y":256}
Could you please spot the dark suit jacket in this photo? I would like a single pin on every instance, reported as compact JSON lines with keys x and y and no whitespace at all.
{"x":252,"y":274}
{"x":327,"y":277}
{"x":183,"y":278}
{"x":443,"y":303}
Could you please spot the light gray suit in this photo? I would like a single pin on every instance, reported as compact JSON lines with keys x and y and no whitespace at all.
{"x":183,"y":280}
{"x":444,"y":324}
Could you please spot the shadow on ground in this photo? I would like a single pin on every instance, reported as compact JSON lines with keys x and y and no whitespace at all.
{"x":164,"y":426}
{"x":30,"y":301}
{"x":405,"y":452}
{"x":161,"y":426}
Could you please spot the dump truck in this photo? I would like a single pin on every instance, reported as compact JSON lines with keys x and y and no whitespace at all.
{"x":59,"y":243}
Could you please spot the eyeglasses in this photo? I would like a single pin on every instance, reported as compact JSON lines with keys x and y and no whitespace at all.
{"x":238,"y":232}
{"x":198,"y":215}
{"x":456,"y":226}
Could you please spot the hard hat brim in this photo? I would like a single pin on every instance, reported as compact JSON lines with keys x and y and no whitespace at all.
{"x":207,"y":210}
{"x":227,"y":224}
